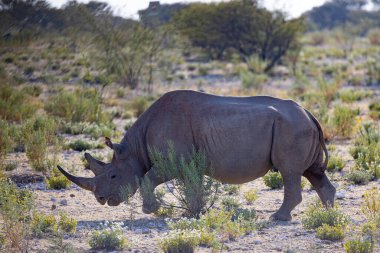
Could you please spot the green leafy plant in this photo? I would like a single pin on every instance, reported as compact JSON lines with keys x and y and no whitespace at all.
{"x":43,"y":224}
{"x":316,"y":216}
{"x":231,"y":188}
{"x":57,"y":181}
{"x":359,"y":245}
{"x":343,"y":120}
{"x":179,"y":241}
{"x":230,"y":203}
{"x":330,"y":233}
{"x":336,"y":163}
{"x":80,"y":145}
{"x":250,"y":196}
{"x":195,"y":192}
{"x":108,"y":239}
{"x":273,"y":180}
{"x":67,"y":224}
{"x":359,"y":177}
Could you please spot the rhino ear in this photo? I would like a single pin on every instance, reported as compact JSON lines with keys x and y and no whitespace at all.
{"x":108,"y":142}
{"x":96,"y":166}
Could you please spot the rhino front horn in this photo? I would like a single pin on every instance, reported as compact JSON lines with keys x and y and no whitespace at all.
{"x":85,"y":183}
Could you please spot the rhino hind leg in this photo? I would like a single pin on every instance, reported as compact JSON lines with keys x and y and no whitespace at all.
{"x":292,"y":197}
{"x":321,"y":183}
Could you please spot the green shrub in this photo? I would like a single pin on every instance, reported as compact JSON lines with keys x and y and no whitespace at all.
{"x":39,"y":133}
{"x":9,"y":166}
{"x":32,"y":90}
{"x":57,"y":181}
{"x":374,"y":108}
{"x":15,"y":210}
{"x":250,"y":80}
{"x":250,"y":196}
{"x":374,"y":37}
{"x":273,"y":180}
{"x":43,"y":224}
{"x":359,"y":177}
{"x":179,"y":241}
{"x":196,"y":192}
{"x":15,"y":105}
{"x":350,"y":95}
{"x":335,"y":163}
{"x":80,"y":145}
{"x":95,"y":130}
{"x":359,"y":245}
{"x":371,"y":205}
{"x":165,"y":211}
{"x":138,"y":105}
{"x":316,"y":216}
{"x":120,"y":93}
{"x":83,"y":105}
{"x":330,"y":233}
{"x":230,"y":203}
{"x":67,"y":224}
{"x":108,"y":239}
{"x":343,"y":120}
{"x":5,"y":140}
{"x":231,"y":188}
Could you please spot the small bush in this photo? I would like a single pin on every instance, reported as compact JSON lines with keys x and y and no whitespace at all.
{"x":374,"y":108}
{"x":359,"y":177}
{"x":80,"y":145}
{"x":39,"y":133}
{"x":273,"y":180}
{"x":43,"y":224}
{"x":179,"y":241}
{"x":5,"y":140}
{"x":83,"y":105}
{"x":359,"y":245}
{"x":57,"y":181}
{"x":9,"y":166}
{"x":165,"y":211}
{"x":231,"y":189}
{"x":335,"y":163}
{"x":15,"y":105}
{"x":67,"y":224}
{"x":330,"y":233}
{"x":95,"y":130}
{"x":32,"y":90}
{"x":316,"y":216}
{"x":230,"y":203}
{"x":196,"y":192}
{"x":251,"y":80}
{"x":15,"y":210}
{"x":349,"y":95}
{"x":138,"y":105}
{"x":250,"y":196}
{"x":108,"y":239}
{"x":374,"y":37}
{"x":343,"y":120}
{"x":371,"y":205}
{"x":120,"y":93}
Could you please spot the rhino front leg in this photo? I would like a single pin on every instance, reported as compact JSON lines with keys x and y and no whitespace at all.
{"x":149,"y":182}
{"x":292,"y":197}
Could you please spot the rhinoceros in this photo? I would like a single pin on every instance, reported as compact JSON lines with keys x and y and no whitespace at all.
{"x":242,"y":137}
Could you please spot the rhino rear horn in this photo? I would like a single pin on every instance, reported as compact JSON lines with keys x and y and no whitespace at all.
{"x":96,"y":166}
{"x":85,"y":183}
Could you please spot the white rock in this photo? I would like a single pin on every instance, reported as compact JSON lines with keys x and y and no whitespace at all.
{"x":340,"y":195}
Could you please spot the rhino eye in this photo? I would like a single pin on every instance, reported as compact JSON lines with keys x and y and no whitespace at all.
{"x":113,"y":176}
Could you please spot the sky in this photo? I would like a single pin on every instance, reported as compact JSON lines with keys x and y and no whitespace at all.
{"x":129,"y":8}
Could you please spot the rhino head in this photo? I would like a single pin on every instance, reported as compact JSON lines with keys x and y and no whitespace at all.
{"x":122,"y":171}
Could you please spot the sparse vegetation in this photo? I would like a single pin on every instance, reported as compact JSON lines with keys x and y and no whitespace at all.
{"x":330,"y":233}
{"x":80,"y":145}
{"x":359,"y":177}
{"x":250,"y":196}
{"x":273,"y":180}
{"x":110,"y":238}
{"x":359,"y":245}
{"x":57,"y":181}
{"x":336,"y":163}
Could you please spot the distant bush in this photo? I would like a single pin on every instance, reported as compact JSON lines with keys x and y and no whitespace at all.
{"x":15,"y":210}
{"x":273,"y":180}
{"x":335,"y":163}
{"x":83,"y":105}
{"x":179,"y":241}
{"x":350,"y":95}
{"x":371,"y":205}
{"x":108,"y":239}
{"x":80,"y":145}
{"x":374,"y":108}
{"x":57,"y":181}
{"x":343,"y":120}
{"x":330,"y":233}
{"x":67,"y":224}
{"x":139,"y":104}
{"x":231,"y":188}
{"x":250,"y":196}
{"x":9,"y":166}
{"x":39,"y":133}
{"x":15,"y":105}
{"x":230,"y":203}
{"x":374,"y":37}
{"x":359,"y":177}
{"x":43,"y":224}
{"x":316,"y":216}
{"x":95,"y":130}
{"x":250,"y":80}
{"x":5,"y":140}
{"x":32,"y":90}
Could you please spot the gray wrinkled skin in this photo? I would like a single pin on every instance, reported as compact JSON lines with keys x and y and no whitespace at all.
{"x":243,"y":138}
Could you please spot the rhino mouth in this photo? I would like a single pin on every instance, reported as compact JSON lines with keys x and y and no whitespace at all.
{"x":113,"y":201}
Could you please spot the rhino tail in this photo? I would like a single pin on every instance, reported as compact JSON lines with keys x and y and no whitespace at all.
{"x":321,"y":139}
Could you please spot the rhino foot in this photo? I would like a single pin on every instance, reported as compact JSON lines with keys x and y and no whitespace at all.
{"x":280,"y":217}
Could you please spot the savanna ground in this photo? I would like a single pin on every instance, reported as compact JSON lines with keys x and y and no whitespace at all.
{"x":55,"y":96}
